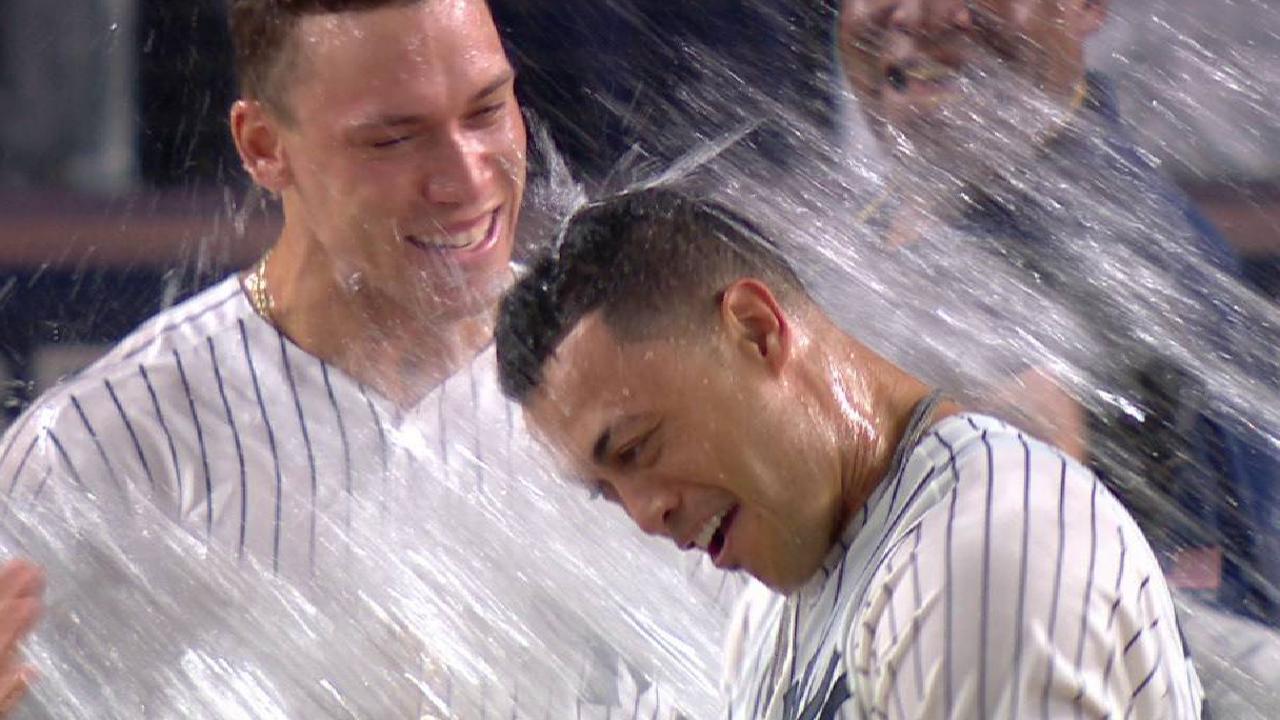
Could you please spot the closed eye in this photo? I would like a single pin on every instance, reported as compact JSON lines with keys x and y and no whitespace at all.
{"x":627,"y":455}
{"x":630,"y":453}
{"x":390,"y":142}
{"x":487,"y":115}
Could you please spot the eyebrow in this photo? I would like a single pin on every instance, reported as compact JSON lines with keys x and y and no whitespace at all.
{"x":502,"y":80}
{"x":396,"y":121}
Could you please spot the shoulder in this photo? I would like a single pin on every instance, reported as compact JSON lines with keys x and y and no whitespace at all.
{"x":1011,"y":518}
{"x":218,"y":309}
{"x":152,"y":353}
{"x":1006,"y":485}
{"x":80,"y":417}
{"x":1024,"y":579}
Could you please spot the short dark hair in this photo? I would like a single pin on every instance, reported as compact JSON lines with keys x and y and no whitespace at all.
{"x":262,"y":34}
{"x":642,"y":258}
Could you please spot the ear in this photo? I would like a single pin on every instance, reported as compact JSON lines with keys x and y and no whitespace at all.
{"x":1091,"y":16}
{"x":756,"y":323}
{"x":257,"y":136}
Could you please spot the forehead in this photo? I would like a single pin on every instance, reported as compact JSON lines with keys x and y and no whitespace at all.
{"x":436,"y":52}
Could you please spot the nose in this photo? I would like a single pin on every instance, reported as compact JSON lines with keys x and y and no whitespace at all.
{"x":651,"y":505}
{"x":908,"y":17}
{"x":459,"y":171}
{"x":929,"y":18}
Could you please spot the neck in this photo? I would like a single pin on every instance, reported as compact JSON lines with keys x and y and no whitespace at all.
{"x":391,"y":346}
{"x":872,"y":401}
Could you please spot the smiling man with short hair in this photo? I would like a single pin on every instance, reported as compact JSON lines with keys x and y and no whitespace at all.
{"x":930,"y":562}
{"x":352,"y":361}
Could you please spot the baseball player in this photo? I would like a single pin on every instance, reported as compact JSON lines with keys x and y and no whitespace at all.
{"x":355,"y":350}
{"x":927,"y":562}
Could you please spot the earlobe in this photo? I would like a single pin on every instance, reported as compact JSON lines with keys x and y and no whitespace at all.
{"x":257,"y":140}
{"x":756,"y":322}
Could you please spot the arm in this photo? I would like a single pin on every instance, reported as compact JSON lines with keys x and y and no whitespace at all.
{"x":21,"y":587}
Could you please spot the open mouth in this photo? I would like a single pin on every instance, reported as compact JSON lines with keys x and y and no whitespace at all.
{"x":476,"y":237}
{"x":919,"y":76}
{"x":715,"y":531}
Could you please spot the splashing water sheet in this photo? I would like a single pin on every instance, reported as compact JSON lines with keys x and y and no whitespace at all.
{"x":466,"y":578}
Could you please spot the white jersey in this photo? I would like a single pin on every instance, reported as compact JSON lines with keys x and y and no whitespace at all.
{"x":216,"y":418}
{"x":238,"y":433}
{"x":989,"y":577}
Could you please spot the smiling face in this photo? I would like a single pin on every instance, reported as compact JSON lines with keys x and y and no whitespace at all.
{"x":703,"y":441}
{"x":403,"y":158}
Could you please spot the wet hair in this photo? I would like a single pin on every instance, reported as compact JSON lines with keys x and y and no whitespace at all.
{"x":649,"y":260}
{"x":262,"y":38}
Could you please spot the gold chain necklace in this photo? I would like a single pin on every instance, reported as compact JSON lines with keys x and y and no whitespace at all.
{"x":255,"y":285}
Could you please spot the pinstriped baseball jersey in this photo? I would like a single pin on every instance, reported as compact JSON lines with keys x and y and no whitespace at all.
{"x":989,"y":577}
{"x":243,"y":437}
{"x":220,"y":421}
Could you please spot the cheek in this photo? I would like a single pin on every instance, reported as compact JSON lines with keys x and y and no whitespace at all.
{"x":381,"y":191}
{"x":508,"y":146}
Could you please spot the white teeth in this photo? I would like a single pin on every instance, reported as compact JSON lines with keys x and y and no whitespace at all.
{"x":460,"y":240}
{"x":709,"y":530}
{"x":929,"y":72}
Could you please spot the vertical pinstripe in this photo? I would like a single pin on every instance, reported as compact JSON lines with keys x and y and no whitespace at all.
{"x":1021,"y":614}
{"x":133,"y":434}
{"x":22,"y":464}
{"x":66,"y":458}
{"x":1057,"y":579}
{"x":271,"y":442}
{"x":985,"y":604}
{"x":347,"y":475}
{"x":306,"y":443}
{"x":924,"y":584}
{"x":164,"y":426}
{"x":239,"y":447}
{"x":948,"y":673}
{"x":1088,"y":587}
{"x":44,"y":480}
{"x":895,"y":668}
{"x":8,"y":447}
{"x":918,"y":601}
{"x":377,"y":424}
{"x":97,"y":443}
{"x":204,"y":452}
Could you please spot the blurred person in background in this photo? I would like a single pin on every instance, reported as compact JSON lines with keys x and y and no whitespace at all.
{"x":993,"y":124}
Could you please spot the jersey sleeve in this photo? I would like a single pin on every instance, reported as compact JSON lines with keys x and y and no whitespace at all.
{"x":1027,"y":592}
{"x":54,"y":448}
{"x":35,"y":453}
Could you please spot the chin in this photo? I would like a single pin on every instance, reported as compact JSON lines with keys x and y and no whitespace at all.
{"x":476,"y":291}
